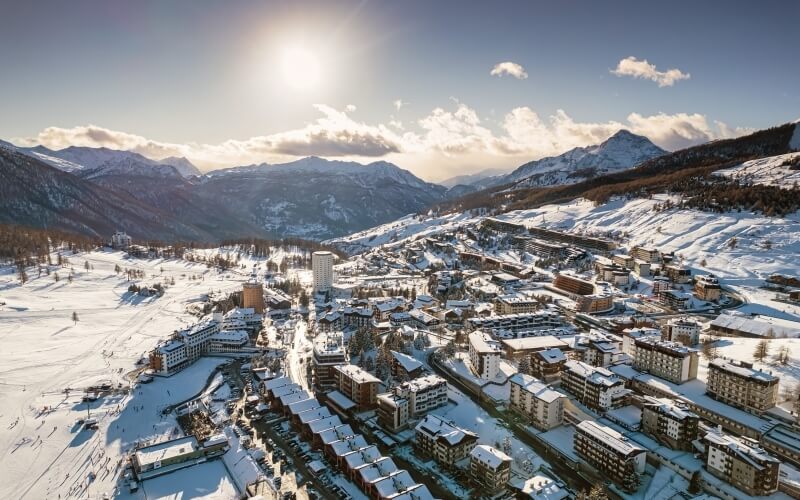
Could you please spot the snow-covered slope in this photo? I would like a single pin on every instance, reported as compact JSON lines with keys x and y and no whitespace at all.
{"x":182,"y":165}
{"x":470,"y":179}
{"x":621,"y":151}
{"x":780,"y":170}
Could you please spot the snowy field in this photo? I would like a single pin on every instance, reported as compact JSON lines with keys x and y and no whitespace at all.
{"x":44,"y":451}
{"x":771,"y":171}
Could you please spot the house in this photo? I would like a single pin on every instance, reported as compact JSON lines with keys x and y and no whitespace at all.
{"x":167,"y":456}
{"x":490,"y":468}
{"x":707,"y":287}
{"x":120,"y":240}
{"x":541,"y":405}
{"x":405,"y":367}
{"x":443,"y":440}
{"x":411,"y":399}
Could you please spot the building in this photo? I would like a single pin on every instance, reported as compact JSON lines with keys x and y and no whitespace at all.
{"x":630,"y":335}
{"x":490,"y":468}
{"x":543,"y":406}
{"x":546,"y":365}
{"x":641,"y":267}
{"x":670,"y":422}
{"x":515,"y":304}
{"x":755,"y":326}
{"x":443,"y":440}
{"x":623,"y":260}
{"x":661,"y":284}
{"x":517,"y":348}
{"x":410,"y":400}
{"x":707,"y":287}
{"x":683,"y":330}
{"x":357,"y":384}
{"x":675,"y":300}
{"x":484,"y":355}
{"x":185,"y":347}
{"x":253,"y":297}
{"x":545,"y":249}
{"x":540,"y":320}
{"x":595,"y":387}
{"x":645,"y":254}
{"x":678,"y":274}
{"x":162,"y":458}
{"x":669,"y":360}
{"x":120,"y":240}
{"x":608,"y":451}
{"x":736,"y":383}
{"x":405,"y":367}
{"x":328,"y":353}
{"x":741,"y":463}
{"x":588,"y":297}
{"x":597,"y":349}
{"x":322,"y":270}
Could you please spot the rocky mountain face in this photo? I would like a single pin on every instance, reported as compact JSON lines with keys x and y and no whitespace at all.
{"x":312,"y":197}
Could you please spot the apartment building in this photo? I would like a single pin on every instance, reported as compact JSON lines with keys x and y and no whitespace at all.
{"x":525,"y":346}
{"x":405,"y":366}
{"x":608,"y":451}
{"x":541,"y":405}
{"x":546,"y":365}
{"x":623,"y":260}
{"x":595,"y":387}
{"x":669,"y":360}
{"x":674,"y":300}
{"x":410,"y":400}
{"x":490,"y":468}
{"x":597,"y":350}
{"x":357,"y":384}
{"x":545,"y":249}
{"x":442,"y":440}
{"x":738,"y":384}
{"x":630,"y":335}
{"x":661,"y":284}
{"x":678,"y":274}
{"x":707,"y":287}
{"x":328,"y":353}
{"x":253,"y":297}
{"x":515,"y":304}
{"x":740,"y":462}
{"x":322,"y":270}
{"x":670,"y":422}
{"x":641,"y":267}
{"x":484,"y":355}
{"x":517,"y":322}
{"x":573,"y":284}
{"x":683,"y":330}
{"x":646,"y":254}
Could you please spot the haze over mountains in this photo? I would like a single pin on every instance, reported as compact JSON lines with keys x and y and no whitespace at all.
{"x":95,"y":191}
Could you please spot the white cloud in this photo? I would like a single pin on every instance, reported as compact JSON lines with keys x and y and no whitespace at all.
{"x":350,"y":108}
{"x":447,"y":141}
{"x":399,"y":104}
{"x":630,"y":66}
{"x":509,"y":68}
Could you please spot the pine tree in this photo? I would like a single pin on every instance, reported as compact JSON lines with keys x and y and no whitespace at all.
{"x":524,"y":365}
{"x":74,"y":317}
{"x":709,"y":349}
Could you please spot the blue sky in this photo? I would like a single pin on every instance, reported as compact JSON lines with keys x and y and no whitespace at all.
{"x":237,"y":82}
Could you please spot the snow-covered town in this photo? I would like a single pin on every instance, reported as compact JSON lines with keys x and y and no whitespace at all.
{"x":416,"y":250}
{"x":466,"y":356}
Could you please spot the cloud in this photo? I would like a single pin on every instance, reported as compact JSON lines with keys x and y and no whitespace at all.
{"x":399,"y":104}
{"x":509,"y":68}
{"x":447,"y":141}
{"x":630,"y":66}
{"x":350,"y":108}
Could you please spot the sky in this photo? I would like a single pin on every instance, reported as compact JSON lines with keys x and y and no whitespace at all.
{"x":441,"y":88}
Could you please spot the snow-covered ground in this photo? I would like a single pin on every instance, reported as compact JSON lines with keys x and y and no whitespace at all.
{"x":771,"y":170}
{"x":44,"y":452}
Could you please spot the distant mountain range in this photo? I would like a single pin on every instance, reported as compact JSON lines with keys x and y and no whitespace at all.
{"x":95,"y":191}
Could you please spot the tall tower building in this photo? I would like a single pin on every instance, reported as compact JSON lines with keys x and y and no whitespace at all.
{"x":253,"y":296}
{"x":322,"y":267}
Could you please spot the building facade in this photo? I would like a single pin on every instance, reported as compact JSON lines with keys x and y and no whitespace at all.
{"x":322,"y":271}
{"x":595,"y":387}
{"x":666,"y":359}
{"x":610,"y":453}
{"x":736,"y":383}
{"x":741,"y":463}
{"x":490,"y":468}
{"x":683,"y":330}
{"x":541,"y":405}
{"x":484,"y":355}
{"x":360,"y":386}
{"x":670,"y":422}
{"x":443,"y":440}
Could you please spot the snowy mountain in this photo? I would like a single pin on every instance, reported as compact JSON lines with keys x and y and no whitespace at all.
{"x":470,"y":179}
{"x":621,"y":151}
{"x":182,"y":165}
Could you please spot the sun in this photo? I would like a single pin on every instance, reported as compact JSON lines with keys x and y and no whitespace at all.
{"x":300,"y":68}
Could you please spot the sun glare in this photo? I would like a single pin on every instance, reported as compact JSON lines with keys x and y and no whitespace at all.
{"x":300,"y":68}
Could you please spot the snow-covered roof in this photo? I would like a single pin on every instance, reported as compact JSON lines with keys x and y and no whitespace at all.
{"x":482,"y":343}
{"x":540,"y":487}
{"x":594,"y":374}
{"x":304,"y":405}
{"x":409,"y":363}
{"x":741,"y":369}
{"x":348,"y":445}
{"x":423,"y":383}
{"x":315,"y":414}
{"x":415,"y":492}
{"x":398,"y":482}
{"x":751,"y":454}
{"x":489,"y":455}
{"x":438,"y":428}
{"x":757,"y":325}
{"x":317,"y":426}
{"x":534,"y":386}
{"x":378,"y":469}
{"x":609,"y":437}
{"x":277,"y":382}
{"x":552,"y":355}
{"x":165,"y":450}
{"x":340,"y":400}
{"x":337,"y":433}
{"x":357,"y":374}
{"x":365,"y":455}
{"x":532,"y":343}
